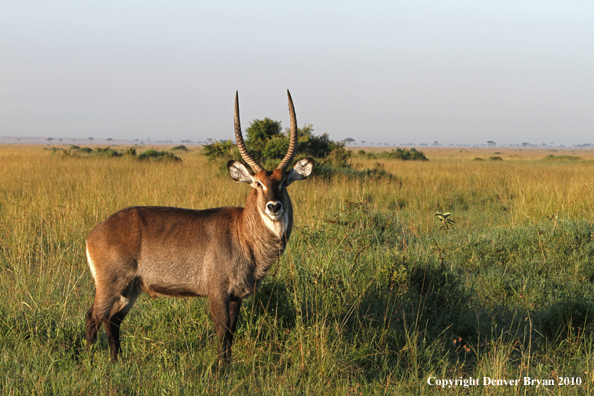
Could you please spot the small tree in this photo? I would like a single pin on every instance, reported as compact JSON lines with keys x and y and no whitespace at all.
{"x":267,"y":142}
{"x":260,"y":132}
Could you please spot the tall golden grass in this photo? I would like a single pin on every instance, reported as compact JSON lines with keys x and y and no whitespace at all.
{"x":49,"y":203}
{"x":74,"y":194}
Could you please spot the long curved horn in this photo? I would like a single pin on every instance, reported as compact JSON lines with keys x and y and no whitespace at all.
{"x":293,"y":140}
{"x":239,"y":138}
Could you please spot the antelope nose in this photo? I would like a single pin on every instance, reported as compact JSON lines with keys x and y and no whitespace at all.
{"x":274,"y":207}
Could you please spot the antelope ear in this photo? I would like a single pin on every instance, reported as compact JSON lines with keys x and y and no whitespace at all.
{"x":300,"y":171}
{"x":239,"y":173}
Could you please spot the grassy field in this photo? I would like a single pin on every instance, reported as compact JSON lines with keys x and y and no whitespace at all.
{"x":373,"y":295}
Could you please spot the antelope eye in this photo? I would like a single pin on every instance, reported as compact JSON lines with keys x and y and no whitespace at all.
{"x":258,"y":184}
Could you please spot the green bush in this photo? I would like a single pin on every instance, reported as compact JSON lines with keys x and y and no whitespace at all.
{"x":319,"y":146}
{"x":552,"y":157}
{"x":260,"y":132}
{"x":404,"y":154}
{"x":266,"y":141}
{"x":268,"y":145}
{"x":155,"y":155}
{"x":276,"y":148}
{"x":398,"y":154}
{"x":326,"y":171}
{"x":106,"y":152}
{"x":339,"y":157}
{"x":219,"y":149}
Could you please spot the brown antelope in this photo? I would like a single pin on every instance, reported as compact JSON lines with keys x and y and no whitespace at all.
{"x":221,"y":253}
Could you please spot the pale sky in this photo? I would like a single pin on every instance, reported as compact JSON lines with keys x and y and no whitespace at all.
{"x":460,"y":72}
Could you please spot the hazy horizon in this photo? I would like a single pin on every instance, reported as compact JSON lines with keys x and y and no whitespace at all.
{"x":456,"y":72}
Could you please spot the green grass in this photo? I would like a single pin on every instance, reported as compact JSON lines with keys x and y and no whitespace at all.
{"x":372,"y":296}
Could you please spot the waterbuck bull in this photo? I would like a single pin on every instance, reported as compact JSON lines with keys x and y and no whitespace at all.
{"x":221,"y":253}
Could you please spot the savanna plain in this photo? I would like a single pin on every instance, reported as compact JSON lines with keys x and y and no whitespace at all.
{"x":452,"y":268}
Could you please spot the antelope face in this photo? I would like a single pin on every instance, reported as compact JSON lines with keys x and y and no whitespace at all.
{"x":271,"y":187}
{"x":271,"y":193}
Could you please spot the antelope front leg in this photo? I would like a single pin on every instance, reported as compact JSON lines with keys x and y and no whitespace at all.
{"x":224,"y":312}
{"x":234,"y":307}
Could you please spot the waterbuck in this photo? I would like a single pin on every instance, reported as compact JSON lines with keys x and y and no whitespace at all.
{"x":221,"y":253}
